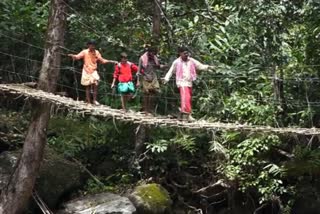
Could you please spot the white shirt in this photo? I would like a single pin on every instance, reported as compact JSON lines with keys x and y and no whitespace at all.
{"x":186,"y":80}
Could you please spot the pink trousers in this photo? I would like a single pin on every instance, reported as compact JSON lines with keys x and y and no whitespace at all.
{"x":185,"y":95}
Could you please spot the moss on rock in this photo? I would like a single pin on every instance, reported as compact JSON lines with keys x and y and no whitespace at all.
{"x":151,"y":199}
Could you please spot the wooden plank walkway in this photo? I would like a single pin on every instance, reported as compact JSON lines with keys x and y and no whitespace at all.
{"x":140,"y":118}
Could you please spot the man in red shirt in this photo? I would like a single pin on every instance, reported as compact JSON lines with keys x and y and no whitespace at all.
{"x":90,"y":76}
{"x":123,"y":73}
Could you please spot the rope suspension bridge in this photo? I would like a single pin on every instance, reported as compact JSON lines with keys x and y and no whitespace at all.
{"x":137,"y":117}
{"x":82,"y":108}
{"x":34,"y":141}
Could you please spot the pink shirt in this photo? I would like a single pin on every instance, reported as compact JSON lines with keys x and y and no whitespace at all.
{"x":185,"y":77}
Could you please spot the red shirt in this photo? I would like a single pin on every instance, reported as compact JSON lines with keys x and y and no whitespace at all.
{"x":124,"y":74}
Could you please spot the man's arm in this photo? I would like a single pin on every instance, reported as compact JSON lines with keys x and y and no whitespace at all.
{"x":77,"y":56}
{"x":113,"y":82}
{"x":170,"y":72}
{"x":103,"y":60}
{"x":202,"y":67}
{"x":139,"y":72}
{"x":134,"y":67}
{"x":115,"y":75}
{"x":140,"y":67}
{"x":163,"y":66}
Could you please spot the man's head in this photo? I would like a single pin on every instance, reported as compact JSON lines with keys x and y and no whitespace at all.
{"x":91,"y":44}
{"x":183,"y":53}
{"x":123,"y":57}
{"x":152,"y":51}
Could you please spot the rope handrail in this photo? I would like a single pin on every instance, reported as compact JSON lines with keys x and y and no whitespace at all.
{"x":139,"y":118}
{"x":212,"y":75}
{"x":174,"y":96}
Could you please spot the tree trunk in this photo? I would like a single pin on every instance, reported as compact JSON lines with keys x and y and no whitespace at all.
{"x":140,"y":139}
{"x":142,"y":131}
{"x":14,"y":197}
{"x":156,"y":21}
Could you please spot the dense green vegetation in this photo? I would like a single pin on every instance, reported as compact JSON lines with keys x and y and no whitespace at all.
{"x":267,"y":57}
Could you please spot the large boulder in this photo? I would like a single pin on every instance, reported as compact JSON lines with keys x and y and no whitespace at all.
{"x":103,"y":203}
{"x":57,"y":178}
{"x":151,"y":199}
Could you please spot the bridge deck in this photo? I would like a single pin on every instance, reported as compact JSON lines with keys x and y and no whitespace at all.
{"x":140,"y":118}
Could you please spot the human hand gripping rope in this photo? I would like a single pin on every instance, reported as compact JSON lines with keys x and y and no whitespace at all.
{"x":211,"y":68}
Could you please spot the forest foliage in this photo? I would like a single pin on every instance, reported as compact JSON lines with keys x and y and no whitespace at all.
{"x":267,"y":62}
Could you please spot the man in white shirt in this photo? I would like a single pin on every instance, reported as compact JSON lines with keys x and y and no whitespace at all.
{"x":185,"y":69}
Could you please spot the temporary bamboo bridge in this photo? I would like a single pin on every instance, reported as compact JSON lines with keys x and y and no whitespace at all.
{"x":141,"y":118}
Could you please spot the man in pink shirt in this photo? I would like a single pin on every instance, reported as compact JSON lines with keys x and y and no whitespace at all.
{"x":90,"y":76}
{"x":185,"y":69}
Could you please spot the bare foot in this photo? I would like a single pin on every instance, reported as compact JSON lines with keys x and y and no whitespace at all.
{"x":96,"y":103}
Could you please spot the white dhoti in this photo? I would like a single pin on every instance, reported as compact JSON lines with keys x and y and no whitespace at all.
{"x":89,"y":79}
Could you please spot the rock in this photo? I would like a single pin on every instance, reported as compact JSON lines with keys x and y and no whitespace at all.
{"x":57,"y":176}
{"x":151,"y":199}
{"x":103,"y":203}
{"x":107,"y":163}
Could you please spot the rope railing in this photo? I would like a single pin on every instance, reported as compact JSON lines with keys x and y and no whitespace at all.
{"x":212,"y":75}
{"x":174,"y":96}
{"x":82,"y":108}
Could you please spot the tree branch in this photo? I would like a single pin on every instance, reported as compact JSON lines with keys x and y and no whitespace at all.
{"x":219,"y":183}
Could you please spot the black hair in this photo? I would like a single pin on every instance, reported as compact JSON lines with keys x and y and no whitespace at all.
{"x":182,"y":49}
{"x":152,"y":49}
{"x":123,"y":55}
{"x":91,"y":42}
